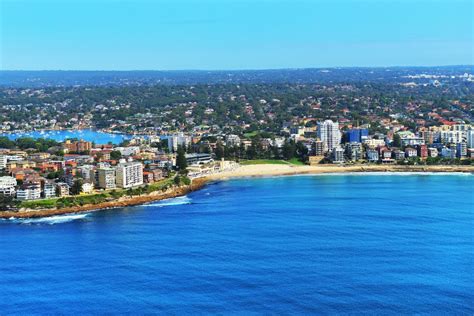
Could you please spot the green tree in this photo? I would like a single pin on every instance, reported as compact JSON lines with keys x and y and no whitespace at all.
{"x":115,"y":155}
{"x":77,"y":186}
{"x":219,"y":151}
{"x":181,"y":162}
{"x":397,"y":140}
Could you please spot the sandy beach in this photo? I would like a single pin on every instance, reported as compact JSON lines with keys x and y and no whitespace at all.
{"x":265,"y":170}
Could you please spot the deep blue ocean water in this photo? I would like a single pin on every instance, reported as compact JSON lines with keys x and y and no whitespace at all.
{"x":339,"y":244}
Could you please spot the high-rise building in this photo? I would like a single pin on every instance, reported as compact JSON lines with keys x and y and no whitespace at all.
{"x":106,"y":178}
{"x":129,"y":174}
{"x":354,"y":151}
{"x":319,"y":149}
{"x":337,"y":155}
{"x":356,"y":135}
{"x":329,"y":134}
{"x":470,"y":138}
{"x":178,"y":140}
{"x":461,"y":150}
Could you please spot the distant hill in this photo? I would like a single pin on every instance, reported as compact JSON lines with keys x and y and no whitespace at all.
{"x":312,"y":75}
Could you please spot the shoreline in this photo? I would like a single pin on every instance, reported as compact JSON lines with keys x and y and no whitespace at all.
{"x":247,"y":171}
{"x":266,"y":170}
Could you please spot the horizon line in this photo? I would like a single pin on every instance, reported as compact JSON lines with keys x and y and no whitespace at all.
{"x":240,"y":69}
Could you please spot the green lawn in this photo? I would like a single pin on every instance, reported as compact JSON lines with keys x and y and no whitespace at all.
{"x":293,"y":161}
{"x":250,"y":134}
{"x":296,"y":162}
{"x":96,"y":198}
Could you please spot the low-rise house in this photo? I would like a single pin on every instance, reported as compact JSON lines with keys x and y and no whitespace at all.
{"x":372,"y":155}
{"x":398,"y":154}
{"x":62,"y":189}
{"x":432,"y":152}
{"x":87,"y":187}
{"x":410,"y":152}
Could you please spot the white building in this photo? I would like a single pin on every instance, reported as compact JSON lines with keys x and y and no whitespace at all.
{"x":328,"y":132}
{"x":470,"y":139}
{"x":49,"y":189}
{"x":87,"y":187}
{"x":129,"y":151}
{"x":129,"y":174}
{"x":337,"y":155}
{"x":3,"y":161}
{"x":7,"y":185}
{"x":448,"y":137}
{"x":178,"y":140}
{"x":30,"y":191}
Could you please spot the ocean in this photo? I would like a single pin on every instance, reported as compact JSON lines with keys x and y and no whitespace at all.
{"x":327,"y":244}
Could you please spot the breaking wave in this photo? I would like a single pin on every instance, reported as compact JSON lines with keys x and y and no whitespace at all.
{"x":181,"y":200}
{"x":59,"y":219}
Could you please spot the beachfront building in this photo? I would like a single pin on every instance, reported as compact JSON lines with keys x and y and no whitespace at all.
{"x":7,"y":185}
{"x":461,"y":150}
{"x":448,"y":152}
{"x":337,"y":155}
{"x":87,"y":187}
{"x":62,"y":189}
{"x":129,"y":174}
{"x":410,"y":152}
{"x":398,"y":154}
{"x":29,"y":191}
{"x":372,"y":155}
{"x":198,"y":159}
{"x":49,"y":189}
{"x":329,"y":134}
{"x":433,"y":152}
{"x":106,"y":178}
{"x":354,"y":151}
{"x":410,"y":139}
{"x":319,"y":148}
{"x":470,"y":138}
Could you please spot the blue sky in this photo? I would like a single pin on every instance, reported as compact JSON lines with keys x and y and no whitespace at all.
{"x":233,"y":34}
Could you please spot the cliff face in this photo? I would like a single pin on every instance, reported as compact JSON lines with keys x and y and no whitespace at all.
{"x":122,"y":202}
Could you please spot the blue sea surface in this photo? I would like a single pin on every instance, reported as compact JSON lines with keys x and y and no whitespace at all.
{"x":60,"y":136}
{"x":329,"y":244}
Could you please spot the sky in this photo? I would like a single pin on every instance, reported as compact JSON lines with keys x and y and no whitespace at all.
{"x":233,"y":34}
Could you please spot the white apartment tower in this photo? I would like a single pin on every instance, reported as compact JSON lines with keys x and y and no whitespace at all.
{"x":129,"y":174}
{"x":329,"y":134}
{"x":470,"y":139}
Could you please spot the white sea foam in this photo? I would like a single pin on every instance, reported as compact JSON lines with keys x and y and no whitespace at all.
{"x":181,"y":200}
{"x":51,"y":219}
